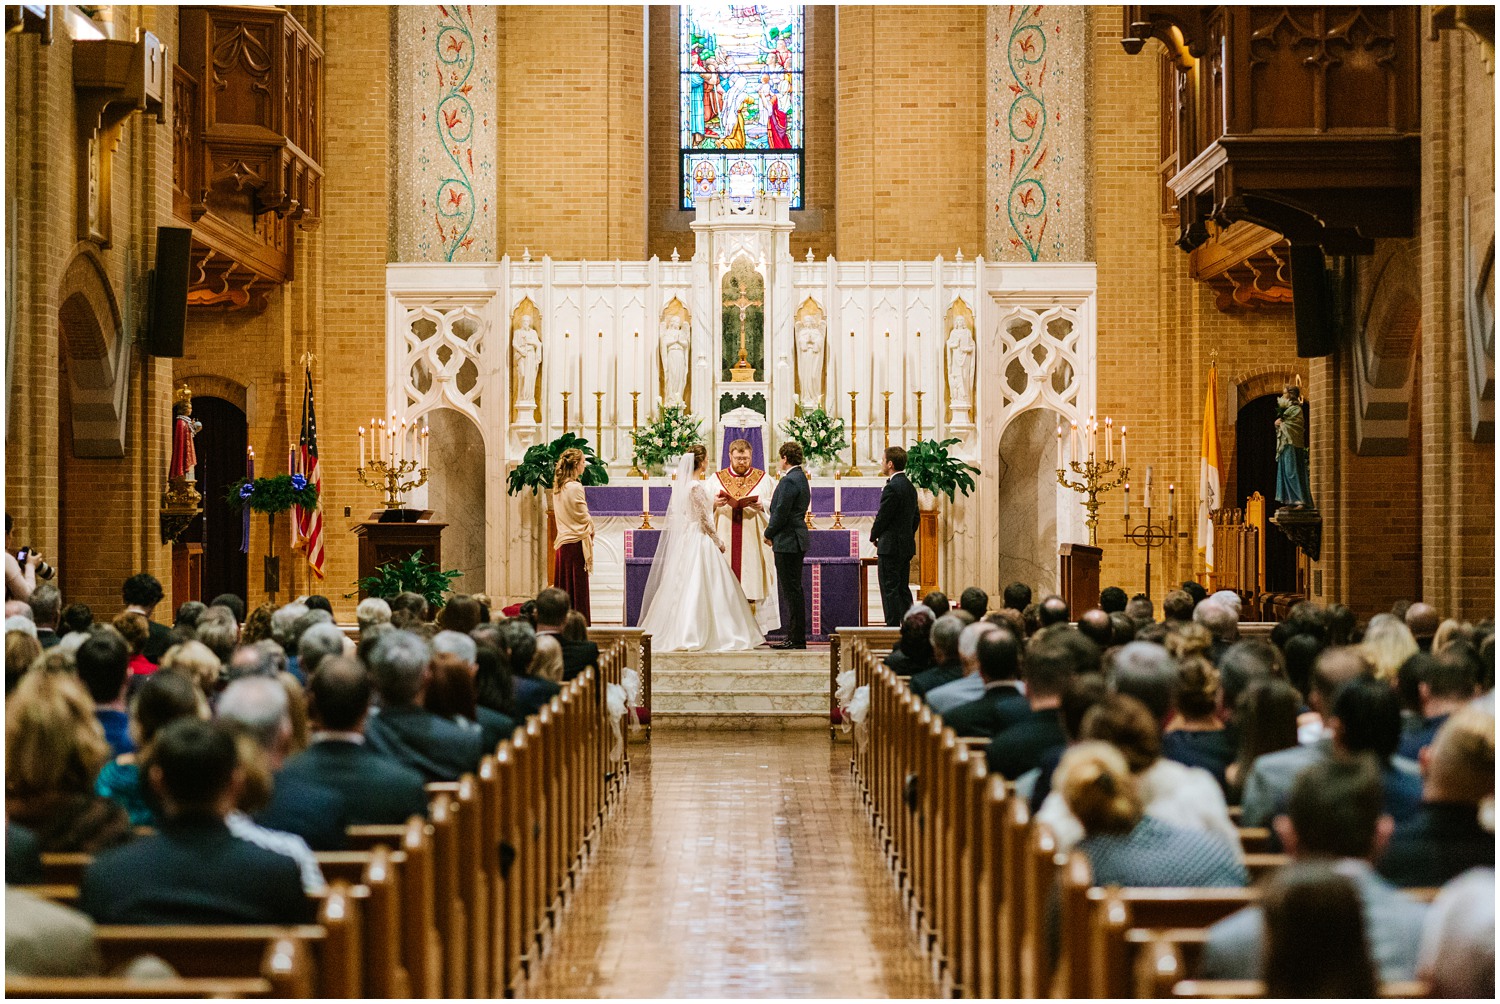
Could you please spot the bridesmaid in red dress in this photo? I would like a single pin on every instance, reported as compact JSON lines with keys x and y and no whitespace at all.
{"x":574,"y":548}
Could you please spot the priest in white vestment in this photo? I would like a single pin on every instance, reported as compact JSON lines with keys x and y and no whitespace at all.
{"x":742,"y":495}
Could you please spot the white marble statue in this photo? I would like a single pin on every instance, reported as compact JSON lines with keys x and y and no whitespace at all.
{"x":960,"y":347}
{"x":810,"y":343}
{"x":675,"y":341}
{"x":526,"y":344}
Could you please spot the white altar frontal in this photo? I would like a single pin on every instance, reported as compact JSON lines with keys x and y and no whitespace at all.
{"x":997,"y":356}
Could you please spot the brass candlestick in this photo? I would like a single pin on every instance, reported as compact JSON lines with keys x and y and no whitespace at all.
{"x":565,"y":411}
{"x":646,"y":500}
{"x":1093,"y":483}
{"x":388,"y":475}
{"x":887,"y":418}
{"x":635,"y":472}
{"x":919,"y":414}
{"x":853,"y":471}
{"x":599,"y":423}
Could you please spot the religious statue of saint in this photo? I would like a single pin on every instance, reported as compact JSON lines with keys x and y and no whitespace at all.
{"x":527,"y":346}
{"x":741,"y":499}
{"x":960,"y":347}
{"x":1292,"y":487}
{"x":184,"y":428}
{"x":675,"y":341}
{"x":810,"y":342}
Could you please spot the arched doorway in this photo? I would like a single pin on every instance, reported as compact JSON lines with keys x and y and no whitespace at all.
{"x":221,"y":462}
{"x":1028,"y":500}
{"x":455,"y":492}
{"x":1255,"y":471}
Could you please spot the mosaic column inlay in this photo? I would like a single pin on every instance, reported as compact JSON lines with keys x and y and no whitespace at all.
{"x":1037,"y":66}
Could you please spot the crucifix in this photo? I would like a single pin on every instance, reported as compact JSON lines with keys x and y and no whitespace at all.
{"x":742,"y":371}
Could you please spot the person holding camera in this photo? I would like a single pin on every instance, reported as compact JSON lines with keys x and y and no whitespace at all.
{"x":22,"y":568}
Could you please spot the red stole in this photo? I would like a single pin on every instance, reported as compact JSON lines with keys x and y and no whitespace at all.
{"x":739,"y":490}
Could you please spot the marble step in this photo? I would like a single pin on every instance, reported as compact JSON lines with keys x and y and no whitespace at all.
{"x":739,"y":720}
{"x":682,"y":681}
{"x":755,"y":661}
{"x":730,"y":701}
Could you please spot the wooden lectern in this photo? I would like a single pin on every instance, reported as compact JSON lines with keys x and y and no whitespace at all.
{"x":383,"y":542}
{"x":1078,"y":572}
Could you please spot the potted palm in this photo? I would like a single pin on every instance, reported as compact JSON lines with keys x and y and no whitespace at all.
{"x":933,"y":471}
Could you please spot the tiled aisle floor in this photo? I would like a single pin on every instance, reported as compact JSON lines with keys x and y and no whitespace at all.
{"x":739,"y":865}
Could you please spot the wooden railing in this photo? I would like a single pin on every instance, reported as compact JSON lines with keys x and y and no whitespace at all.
{"x":459,"y":904}
{"x":976,"y":873}
{"x":1240,"y":548}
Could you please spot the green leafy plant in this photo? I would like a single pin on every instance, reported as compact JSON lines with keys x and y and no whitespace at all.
{"x":662,"y":441}
{"x":272,"y":495}
{"x":539,"y":464}
{"x":820,"y":435}
{"x":930,"y":466}
{"x":410,"y":575}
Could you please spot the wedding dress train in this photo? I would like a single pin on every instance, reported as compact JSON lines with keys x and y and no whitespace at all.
{"x":693,"y":602}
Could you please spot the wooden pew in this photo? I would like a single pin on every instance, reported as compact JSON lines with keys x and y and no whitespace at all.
{"x":285,"y":971}
{"x":1244,"y":989}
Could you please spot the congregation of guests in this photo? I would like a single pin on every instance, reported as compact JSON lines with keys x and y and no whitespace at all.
{"x":203,"y":764}
{"x":1367,"y":751}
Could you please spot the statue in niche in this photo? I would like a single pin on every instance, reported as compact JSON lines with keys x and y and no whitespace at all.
{"x":960,"y":346}
{"x":526,"y":344}
{"x":810,"y":343}
{"x":675,"y":342}
{"x":184,"y":464}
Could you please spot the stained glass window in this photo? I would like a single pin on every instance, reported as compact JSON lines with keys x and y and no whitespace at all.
{"x":740,"y":101}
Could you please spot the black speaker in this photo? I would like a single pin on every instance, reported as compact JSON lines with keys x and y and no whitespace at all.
{"x":169,"y":291}
{"x":1312,"y":302}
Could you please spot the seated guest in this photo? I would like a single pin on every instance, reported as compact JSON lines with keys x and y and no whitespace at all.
{"x":1266,"y":722}
{"x":1243,"y":663}
{"x":528,"y":693}
{"x":1388,"y":642}
{"x":309,"y":810}
{"x":970,"y":686}
{"x":1196,"y":735}
{"x":1124,"y":629}
{"x":1126,"y":845}
{"x":1195,"y":591}
{"x":495,"y":725}
{"x":404,"y":730}
{"x":450,"y":693}
{"x":286,"y":630}
{"x":1053,"y":610}
{"x":1445,"y":685}
{"x":1367,"y":719}
{"x":975,"y":602}
{"x":1340,"y":622}
{"x":257,"y":625}
{"x":372,"y":610}
{"x":1457,"y":955}
{"x":21,"y":650}
{"x":317,"y":643}
{"x":1445,"y":837}
{"x":460,"y":613}
{"x":103,"y":666}
{"x":185,"y":625}
{"x":376,"y":789}
{"x":1002,"y":704}
{"x":218,"y":629}
{"x":232,"y":603}
{"x":136,"y":632}
{"x":141,"y":593}
{"x":913,"y":652}
{"x":1147,"y":672}
{"x":946,"y":665}
{"x":53,"y":751}
{"x":1017,"y":596}
{"x":319,"y":602}
{"x":575,"y":627}
{"x":1113,"y":600}
{"x":1334,"y":815}
{"x":1047,"y":669}
{"x":1269,"y":781}
{"x":43,"y":938}
{"x":46,"y":610}
{"x":492,"y":683}
{"x":23,"y":856}
{"x":162,"y":699}
{"x":197,"y":662}
{"x":547,"y":663}
{"x":1173,"y":793}
{"x":937,"y":602}
{"x":552,"y":608}
{"x":1141,"y":610}
{"x":1082,"y":692}
{"x":1315,"y":935}
{"x":1095,"y":625}
{"x":194,"y":871}
{"x":1422,"y":621}
{"x":1177,"y":607}
{"x":76,"y":618}
{"x":413,"y":603}
{"x":1223,"y":623}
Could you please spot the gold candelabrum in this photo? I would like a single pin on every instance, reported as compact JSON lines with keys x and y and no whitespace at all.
{"x":887,"y":418}
{"x":565,"y":411}
{"x":599,"y":422}
{"x":919,"y":409}
{"x":1094,"y":481}
{"x":853,"y":471}
{"x":635,"y":471}
{"x":388,"y":475}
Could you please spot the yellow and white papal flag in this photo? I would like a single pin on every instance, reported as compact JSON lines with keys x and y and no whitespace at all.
{"x":1208,"y":469}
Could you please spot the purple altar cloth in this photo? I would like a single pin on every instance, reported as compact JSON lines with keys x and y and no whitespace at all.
{"x":830,"y":578}
{"x":625,"y":499}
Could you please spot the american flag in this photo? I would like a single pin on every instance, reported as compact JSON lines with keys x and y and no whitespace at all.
{"x":307,"y":524}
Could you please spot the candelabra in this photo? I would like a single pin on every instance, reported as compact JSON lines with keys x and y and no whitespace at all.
{"x":388,"y":478}
{"x":1152,"y":535}
{"x":565,"y":412}
{"x":635,"y":471}
{"x":887,"y":419}
{"x":919,"y":416}
{"x":1094,"y":482}
{"x":853,"y":471}
{"x":599,"y":423}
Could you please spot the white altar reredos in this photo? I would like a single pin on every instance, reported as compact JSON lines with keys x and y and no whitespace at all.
{"x":485,"y":352}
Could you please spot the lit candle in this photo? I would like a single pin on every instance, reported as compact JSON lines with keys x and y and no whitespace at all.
{"x":1127,"y":502}
{"x":1073,"y":442}
{"x":1171,"y":501}
{"x":249,"y":463}
{"x":402,"y":454}
{"x":1146,"y":500}
{"x":645,"y":494}
{"x":1093,"y":436}
{"x":1123,"y":462}
{"x":838,"y":492}
{"x":361,"y":446}
{"x":1109,"y":438}
{"x":1059,"y":445}
{"x":919,"y":360}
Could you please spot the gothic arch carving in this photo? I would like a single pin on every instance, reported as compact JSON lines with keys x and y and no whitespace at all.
{"x":96,"y":356}
{"x":222,"y":387}
{"x":1259,"y":383}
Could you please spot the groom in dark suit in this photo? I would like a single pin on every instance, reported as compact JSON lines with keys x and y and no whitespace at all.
{"x":786,"y":532}
{"x":895,"y":536}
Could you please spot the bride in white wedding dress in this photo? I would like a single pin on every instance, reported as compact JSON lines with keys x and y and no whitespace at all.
{"x":693,"y":602}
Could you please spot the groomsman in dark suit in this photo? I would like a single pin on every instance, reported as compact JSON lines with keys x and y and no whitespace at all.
{"x":895,"y":536}
{"x":786,"y":532}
